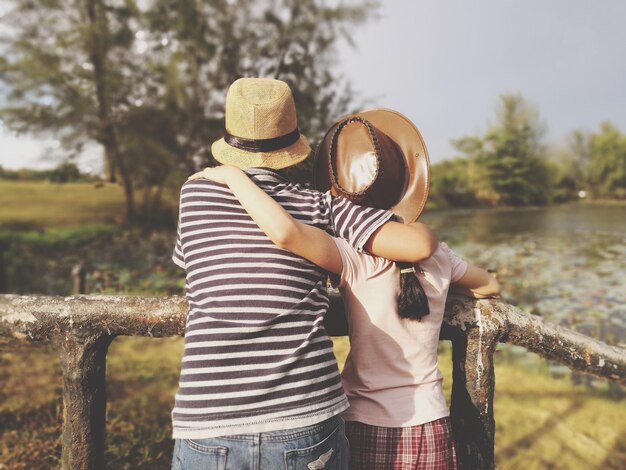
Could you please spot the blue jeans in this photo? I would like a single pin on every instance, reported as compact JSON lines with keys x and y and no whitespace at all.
{"x":320,"y":446}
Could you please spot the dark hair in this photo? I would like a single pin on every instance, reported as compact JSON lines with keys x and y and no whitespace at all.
{"x":412,"y":300}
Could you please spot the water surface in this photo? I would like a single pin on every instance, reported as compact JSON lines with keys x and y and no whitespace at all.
{"x":566,"y":263}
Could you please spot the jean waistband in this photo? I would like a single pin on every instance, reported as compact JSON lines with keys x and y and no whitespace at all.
{"x":289,"y":434}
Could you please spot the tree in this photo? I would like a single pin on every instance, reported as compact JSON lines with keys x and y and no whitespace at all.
{"x":70,"y":71}
{"x":451,"y":183}
{"x":65,"y":172}
{"x":568,"y":166}
{"x":510,"y":157}
{"x":147,"y":80}
{"x":211,"y":44}
{"x":579,"y":143}
{"x":476,"y":184}
{"x":607,"y":163}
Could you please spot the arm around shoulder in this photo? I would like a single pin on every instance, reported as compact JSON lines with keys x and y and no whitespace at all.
{"x":410,"y":243}
{"x":280,"y":227}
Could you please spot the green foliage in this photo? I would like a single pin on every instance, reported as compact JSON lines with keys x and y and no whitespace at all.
{"x":607,"y":162}
{"x":567,"y":168}
{"x":564,"y":186}
{"x":594,"y":162}
{"x":46,"y":229}
{"x":49,"y":74}
{"x":64,"y":172}
{"x":507,"y":165}
{"x":115,"y":261}
{"x":214,"y":43}
{"x":451,"y":183}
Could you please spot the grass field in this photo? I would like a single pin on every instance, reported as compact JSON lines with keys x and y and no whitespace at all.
{"x":40,"y":205}
{"x":542,"y":422}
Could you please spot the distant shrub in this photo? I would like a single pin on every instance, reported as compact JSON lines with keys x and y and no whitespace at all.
{"x":130,"y":261}
{"x":450,"y":184}
{"x":65,"y":172}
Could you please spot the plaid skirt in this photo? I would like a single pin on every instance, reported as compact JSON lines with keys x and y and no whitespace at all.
{"x":425,"y":447}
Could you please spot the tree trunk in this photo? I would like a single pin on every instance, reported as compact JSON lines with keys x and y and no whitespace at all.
{"x":110,"y":143}
{"x":97,"y":50}
{"x":110,"y":168}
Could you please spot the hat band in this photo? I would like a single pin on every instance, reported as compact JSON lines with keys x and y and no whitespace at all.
{"x":262,"y":145}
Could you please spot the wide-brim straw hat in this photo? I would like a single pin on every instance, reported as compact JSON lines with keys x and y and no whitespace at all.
{"x":261,"y":128}
{"x":376,"y":158}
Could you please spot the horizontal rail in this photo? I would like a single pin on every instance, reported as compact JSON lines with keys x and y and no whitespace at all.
{"x":514,"y":326}
{"x":39,"y":318}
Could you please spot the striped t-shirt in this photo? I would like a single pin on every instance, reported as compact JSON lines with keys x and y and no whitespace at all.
{"x":257,"y":357}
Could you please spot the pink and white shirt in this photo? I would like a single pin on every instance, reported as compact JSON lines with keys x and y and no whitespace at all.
{"x":391,"y":376}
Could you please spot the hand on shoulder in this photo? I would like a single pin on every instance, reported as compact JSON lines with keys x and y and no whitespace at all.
{"x":219,"y":174}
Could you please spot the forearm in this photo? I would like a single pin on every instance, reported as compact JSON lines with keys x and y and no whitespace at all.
{"x":464,"y":291}
{"x":479,"y":282}
{"x":280,"y":227}
{"x":286,"y":232}
{"x":492,"y":288}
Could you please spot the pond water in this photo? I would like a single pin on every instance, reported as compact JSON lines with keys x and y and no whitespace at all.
{"x":566,"y":263}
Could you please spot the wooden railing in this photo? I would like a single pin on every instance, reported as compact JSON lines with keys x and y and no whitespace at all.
{"x":83,"y":327}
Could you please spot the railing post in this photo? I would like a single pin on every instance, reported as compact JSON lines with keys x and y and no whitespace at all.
{"x":471,"y":410}
{"x":79,"y":284}
{"x":3,"y":277}
{"x":83,"y":362}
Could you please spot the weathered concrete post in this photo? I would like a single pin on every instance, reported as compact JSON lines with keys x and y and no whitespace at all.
{"x":79,"y":274}
{"x":474,"y":331}
{"x":3,"y":277}
{"x":83,"y":361}
{"x":471,"y":408}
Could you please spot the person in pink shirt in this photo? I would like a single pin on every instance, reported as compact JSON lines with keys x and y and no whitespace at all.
{"x":398,"y":416}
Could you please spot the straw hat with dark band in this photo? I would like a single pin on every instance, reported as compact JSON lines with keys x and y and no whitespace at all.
{"x":376,"y":158}
{"x":261,"y":126}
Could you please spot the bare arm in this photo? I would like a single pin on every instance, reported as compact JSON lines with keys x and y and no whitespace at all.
{"x":410,"y":243}
{"x":477,"y":283}
{"x":286,"y":232}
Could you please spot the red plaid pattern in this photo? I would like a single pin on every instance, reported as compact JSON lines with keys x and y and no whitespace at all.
{"x":425,"y":447}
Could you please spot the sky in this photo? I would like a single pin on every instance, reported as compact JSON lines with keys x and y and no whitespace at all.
{"x":443,"y":64}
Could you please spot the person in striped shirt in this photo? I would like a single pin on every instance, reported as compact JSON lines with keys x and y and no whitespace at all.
{"x":259,"y":386}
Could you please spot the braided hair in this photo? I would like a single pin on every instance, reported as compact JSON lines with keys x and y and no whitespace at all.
{"x":412,"y":300}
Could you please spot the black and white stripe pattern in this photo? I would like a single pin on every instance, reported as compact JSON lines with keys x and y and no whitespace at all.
{"x":257,"y":357}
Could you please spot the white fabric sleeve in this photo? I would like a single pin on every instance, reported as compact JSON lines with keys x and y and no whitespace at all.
{"x":458,"y":265}
{"x":350,"y":261}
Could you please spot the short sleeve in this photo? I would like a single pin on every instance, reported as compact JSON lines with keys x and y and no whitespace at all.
{"x":355,"y":223}
{"x":177,"y":256}
{"x":458,"y":265}
{"x":349,"y":259}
